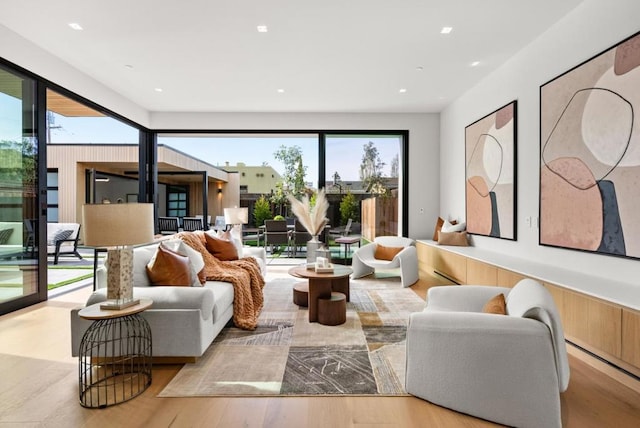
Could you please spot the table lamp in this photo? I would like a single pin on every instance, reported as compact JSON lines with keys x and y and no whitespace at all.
{"x":118,"y":227}
{"x":236,"y":217}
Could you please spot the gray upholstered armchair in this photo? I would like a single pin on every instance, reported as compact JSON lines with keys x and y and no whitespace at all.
{"x":508,"y":369}
{"x":364,"y":261}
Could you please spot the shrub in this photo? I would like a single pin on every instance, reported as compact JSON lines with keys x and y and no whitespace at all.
{"x":349,"y":208}
{"x":262,"y":211}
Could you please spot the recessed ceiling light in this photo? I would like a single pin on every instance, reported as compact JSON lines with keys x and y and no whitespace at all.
{"x":402,"y":90}
{"x":420,"y":68}
{"x":475,"y":63}
{"x":446,"y":30}
{"x":158,"y":89}
{"x":262,"y":28}
{"x":281,"y":91}
{"x":75,"y":26}
{"x":128,"y":65}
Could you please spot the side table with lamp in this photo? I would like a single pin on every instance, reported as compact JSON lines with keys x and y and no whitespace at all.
{"x":115,"y":352}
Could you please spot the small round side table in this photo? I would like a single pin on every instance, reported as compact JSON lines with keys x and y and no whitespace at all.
{"x":115,"y":355}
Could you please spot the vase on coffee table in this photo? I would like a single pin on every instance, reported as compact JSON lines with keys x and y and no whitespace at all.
{"x":312,"y":246}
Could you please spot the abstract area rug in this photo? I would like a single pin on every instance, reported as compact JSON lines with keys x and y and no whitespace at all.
{"x":287,"y":355}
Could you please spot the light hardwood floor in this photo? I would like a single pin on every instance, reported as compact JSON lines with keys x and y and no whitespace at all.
{"x":39,"y":388}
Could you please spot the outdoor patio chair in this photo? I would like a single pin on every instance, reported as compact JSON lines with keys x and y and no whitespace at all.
{"x":342,"y":230}
{"x":62,"y":240}
{"x":207,"y":224}
{"x":191,"y":224}
{"x":168,"y":225}
{"x":300,"y":237}
{"x":276,"y":233}
{"x":30,"y":242}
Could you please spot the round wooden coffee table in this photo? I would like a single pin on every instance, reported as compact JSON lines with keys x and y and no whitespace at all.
{"x":322,"y":284}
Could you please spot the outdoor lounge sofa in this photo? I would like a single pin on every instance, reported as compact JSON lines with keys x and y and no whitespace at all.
{"x":10,"y":239}
{"x":62,"y":240}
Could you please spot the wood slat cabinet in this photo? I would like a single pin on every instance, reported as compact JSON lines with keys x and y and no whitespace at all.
{"x":425,"y":257}
{"x":479,"y":273}
{"x":606,"y":329}
{"x":445,"y":263}
{"x":593,"y":322}
{"x":631,"y":337}
{"x":506,"y":278}
{"x":453,"y":266}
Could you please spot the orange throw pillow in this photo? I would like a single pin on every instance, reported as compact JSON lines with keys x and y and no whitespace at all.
{"x":220,"y":248}
{"x":439,"y":223}
{"x":169,"y":268}
{"x":386,"y":253}
{"x":436,"y":232}
{"x":496,"y":305}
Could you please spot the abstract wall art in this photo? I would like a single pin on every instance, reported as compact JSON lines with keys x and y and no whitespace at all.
{"x":590,"y":154}
{"x":490,"y":152}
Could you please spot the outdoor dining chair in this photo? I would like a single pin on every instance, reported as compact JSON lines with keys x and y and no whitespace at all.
{"x":168,"y":225}
{"x":276,"y":233}
{"x":191,"y":224}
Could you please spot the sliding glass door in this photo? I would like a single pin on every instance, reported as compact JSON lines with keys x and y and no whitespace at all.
{"x":19,"y":217}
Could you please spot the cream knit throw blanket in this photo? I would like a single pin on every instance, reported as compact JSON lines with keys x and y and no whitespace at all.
{"x":244,"y":274}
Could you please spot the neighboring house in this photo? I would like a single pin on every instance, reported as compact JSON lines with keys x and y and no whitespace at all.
{"x":114,"y":169}
{"x":255,"y":179}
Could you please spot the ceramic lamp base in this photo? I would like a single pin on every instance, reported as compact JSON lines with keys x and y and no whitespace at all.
{"x":120,"y":276}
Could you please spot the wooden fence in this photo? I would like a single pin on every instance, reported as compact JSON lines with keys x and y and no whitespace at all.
{"x":379,"y":217}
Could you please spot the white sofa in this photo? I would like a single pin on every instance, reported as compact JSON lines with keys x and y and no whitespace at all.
{"x":183,"y":320}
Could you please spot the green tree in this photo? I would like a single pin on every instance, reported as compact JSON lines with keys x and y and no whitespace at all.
{"x":294,"y":169}
{"x":279,"y":198}
{"x":371,"y":169}
{"x":395,"y":166}
{"x":349,"y":208}
{"x":19,"y":160}
{"x":262,"y":211}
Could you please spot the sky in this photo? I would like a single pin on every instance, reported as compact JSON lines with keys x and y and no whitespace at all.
{"x":344,"y":155}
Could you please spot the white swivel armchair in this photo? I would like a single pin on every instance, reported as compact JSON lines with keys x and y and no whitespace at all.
{"x":508,"y":369}
{"x":364,"y":261}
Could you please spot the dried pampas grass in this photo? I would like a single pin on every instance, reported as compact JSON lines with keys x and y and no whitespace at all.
{"x":312,"y":218}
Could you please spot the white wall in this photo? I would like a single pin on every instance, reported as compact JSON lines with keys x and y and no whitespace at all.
{"x":592,"y":27}
{"x":22,"y":52}
{"x":424,"y":135}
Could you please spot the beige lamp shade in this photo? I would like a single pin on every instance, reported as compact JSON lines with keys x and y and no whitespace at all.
{"x":236,"y":215}
{"x":111,"y":225}
{"x":118,"y":227}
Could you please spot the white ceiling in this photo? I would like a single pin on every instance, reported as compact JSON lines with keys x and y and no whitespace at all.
{"x":327,"y":55}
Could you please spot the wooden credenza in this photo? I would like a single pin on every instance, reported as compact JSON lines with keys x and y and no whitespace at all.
{"x":598,"y":315}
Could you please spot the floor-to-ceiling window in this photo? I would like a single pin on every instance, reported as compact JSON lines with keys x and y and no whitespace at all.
{"x":269,"y":165}
{"x":353,"y":167}
{"x":364,"y":181}
{"x":81,"y":139}
{"x":18,"y":191}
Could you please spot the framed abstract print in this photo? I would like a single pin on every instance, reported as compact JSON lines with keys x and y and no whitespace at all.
{"x":590,"y":154}
{"x":490,"y":152}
